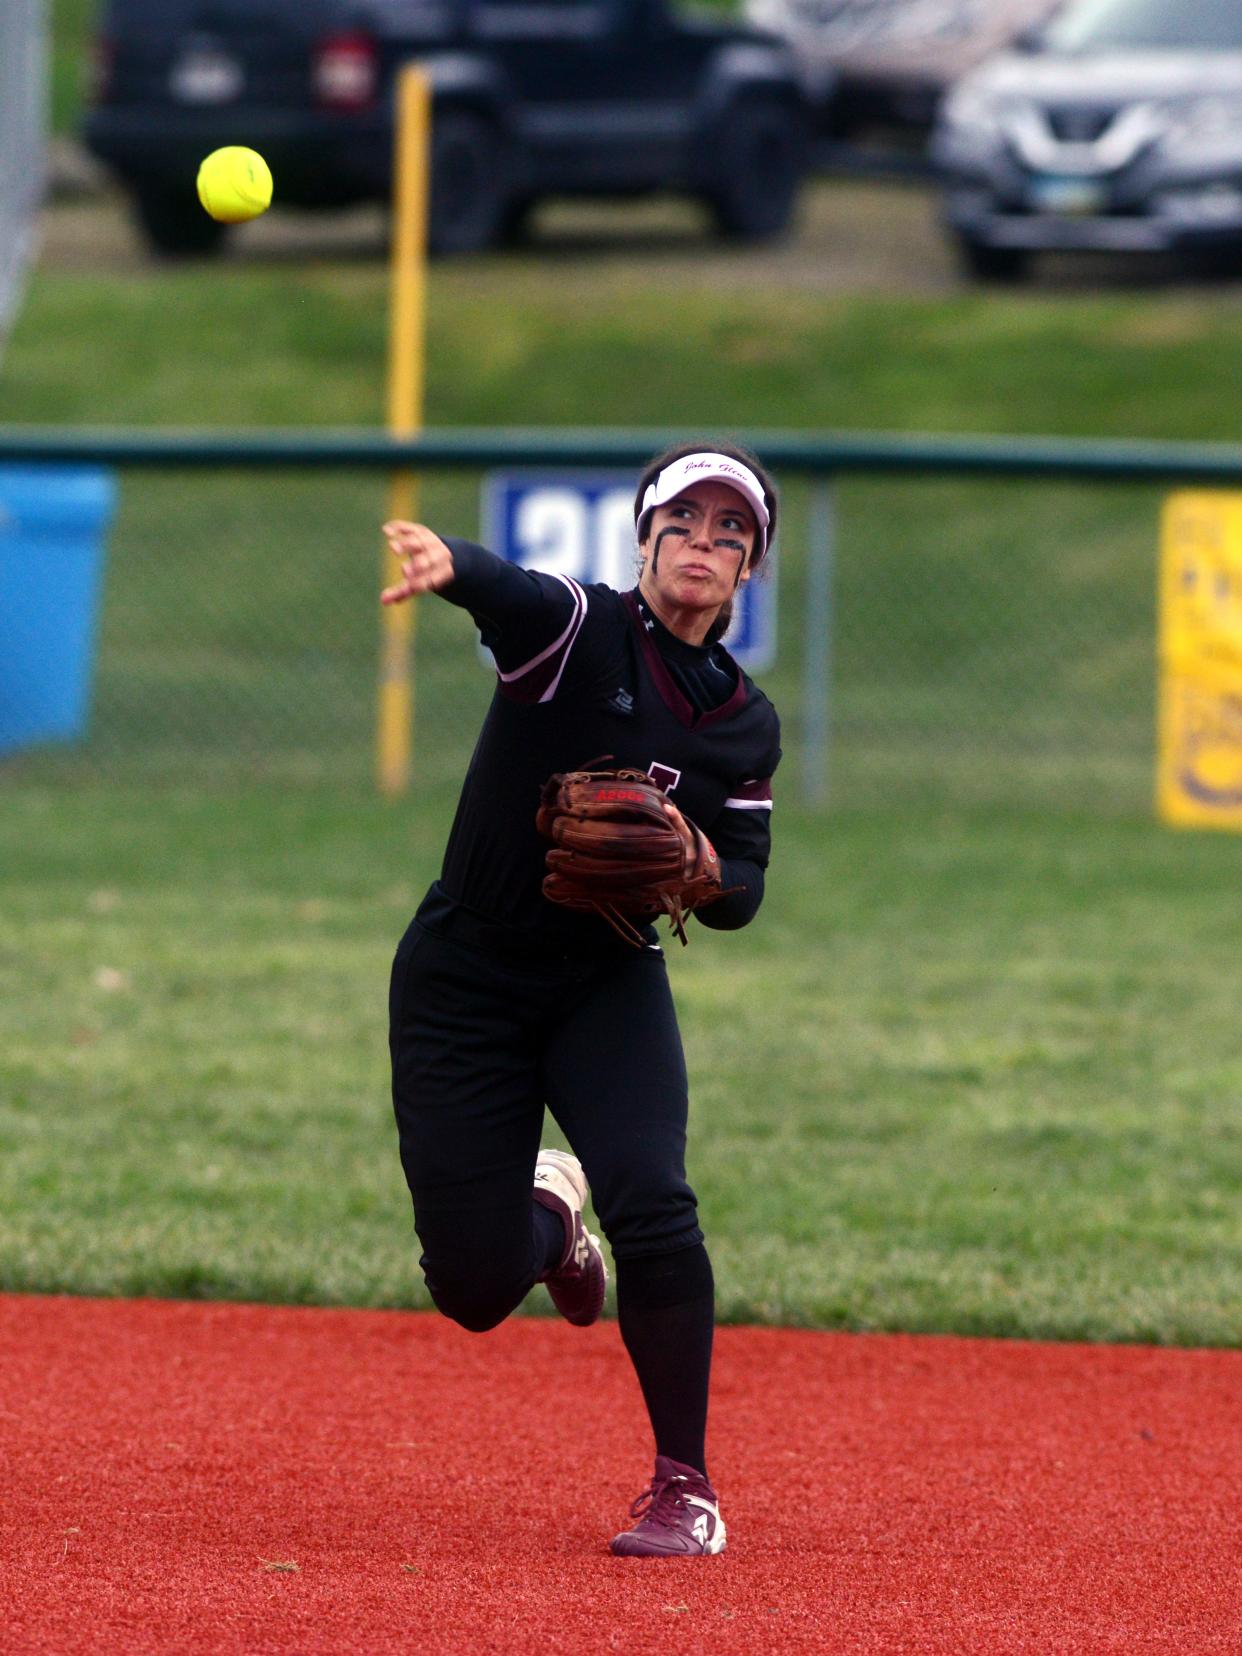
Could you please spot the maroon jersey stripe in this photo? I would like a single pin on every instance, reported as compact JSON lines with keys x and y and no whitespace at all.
{"x":752,"y":796}
{"x":670,"y":695}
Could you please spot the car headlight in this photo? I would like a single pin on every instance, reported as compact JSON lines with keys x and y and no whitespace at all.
{"x":1212,"y":115}
{"x":971,"y":109}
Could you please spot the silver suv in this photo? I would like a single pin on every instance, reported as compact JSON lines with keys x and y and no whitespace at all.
{"x":1117,"y":127}
{"x":884,"y":64}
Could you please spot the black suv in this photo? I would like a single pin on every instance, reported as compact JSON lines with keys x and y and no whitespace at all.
{"x":530,"y":98}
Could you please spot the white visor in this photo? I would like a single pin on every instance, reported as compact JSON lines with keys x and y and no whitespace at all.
{"x":682,"y":474}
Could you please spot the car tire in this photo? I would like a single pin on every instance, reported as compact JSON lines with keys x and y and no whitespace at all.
{"x":515,"y":225}
{"x":1215,"y":264}
{"x":760,"y":160}
{"x":469,"y":197}
{"x":992,"y":264}
{"x":175,"y":225}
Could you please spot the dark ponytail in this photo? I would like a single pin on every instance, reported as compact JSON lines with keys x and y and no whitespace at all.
{"x":722,"y":623}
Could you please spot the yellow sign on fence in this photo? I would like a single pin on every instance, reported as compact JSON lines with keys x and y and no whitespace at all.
{"x":1199,"y":776}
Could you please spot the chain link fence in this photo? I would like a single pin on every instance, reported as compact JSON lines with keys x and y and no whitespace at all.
{"x":994,"y":642}
{"x":986,"y":641}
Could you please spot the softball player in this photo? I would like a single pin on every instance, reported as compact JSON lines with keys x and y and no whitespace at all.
{"x":502,"y":1003}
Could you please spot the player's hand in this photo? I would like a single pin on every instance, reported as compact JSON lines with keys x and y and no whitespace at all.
{"x":679,"y":822}
{"x":426,"y":563}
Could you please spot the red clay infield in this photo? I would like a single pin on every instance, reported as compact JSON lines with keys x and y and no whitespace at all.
{"x":185,"y":1478}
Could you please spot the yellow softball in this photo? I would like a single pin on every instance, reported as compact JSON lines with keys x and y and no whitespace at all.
{"x":235,"y":184}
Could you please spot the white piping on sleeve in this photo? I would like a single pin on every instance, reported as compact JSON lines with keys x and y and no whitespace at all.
{"x":565,"y":641}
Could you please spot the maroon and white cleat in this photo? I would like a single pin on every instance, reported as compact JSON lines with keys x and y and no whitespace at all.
{"x":678,"y":1516}
{"x":577,"y":1284}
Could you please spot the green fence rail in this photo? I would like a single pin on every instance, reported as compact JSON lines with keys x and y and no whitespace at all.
{"x":808,"y":454}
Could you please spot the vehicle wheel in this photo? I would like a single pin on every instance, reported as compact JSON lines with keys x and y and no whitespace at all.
{"x":993,"y":264}
{"x":175,"y":225}
{"x":515,"y":223}
{"x":760,"y":160}
{"x":468,"y":192}
{"x":1216,"y":263}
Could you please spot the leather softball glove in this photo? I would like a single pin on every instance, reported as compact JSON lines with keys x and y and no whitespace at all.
{"x":618,"y":853}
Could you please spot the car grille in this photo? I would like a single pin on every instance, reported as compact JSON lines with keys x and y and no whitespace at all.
{"x":1080,"y":123}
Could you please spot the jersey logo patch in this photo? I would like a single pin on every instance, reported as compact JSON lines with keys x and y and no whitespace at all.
{"x":665,"y":776}
{"x":621,"y":702}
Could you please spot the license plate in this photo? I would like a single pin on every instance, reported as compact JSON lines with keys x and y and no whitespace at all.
{"x":203,"y":76}
{"x":1074,"y":197}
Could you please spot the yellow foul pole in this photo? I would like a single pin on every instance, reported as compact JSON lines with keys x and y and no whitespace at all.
{"x":406,"y":330}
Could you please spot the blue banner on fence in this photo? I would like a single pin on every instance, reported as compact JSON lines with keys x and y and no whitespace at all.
{"x":581,"y":524}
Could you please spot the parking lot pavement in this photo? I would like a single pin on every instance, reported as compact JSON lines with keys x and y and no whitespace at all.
{"x":861,"y":234}
{"x":853,"y":234}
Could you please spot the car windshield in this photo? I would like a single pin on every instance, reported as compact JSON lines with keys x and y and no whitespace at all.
{"x":1138,"y":25}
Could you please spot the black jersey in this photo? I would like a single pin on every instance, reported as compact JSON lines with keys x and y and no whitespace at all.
{"x":586,"y":674}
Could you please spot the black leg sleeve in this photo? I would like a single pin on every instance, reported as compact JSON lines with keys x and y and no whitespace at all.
{"x":666,"y":1309}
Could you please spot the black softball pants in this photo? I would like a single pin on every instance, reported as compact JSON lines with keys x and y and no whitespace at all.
{"x":484,"y":1032}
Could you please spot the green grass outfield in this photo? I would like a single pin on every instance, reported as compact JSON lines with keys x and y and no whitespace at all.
{"x":72,"y":25}
{"x":975,"y":1068}
{"x":549,"y":339}
{"x":975,"y":1073}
